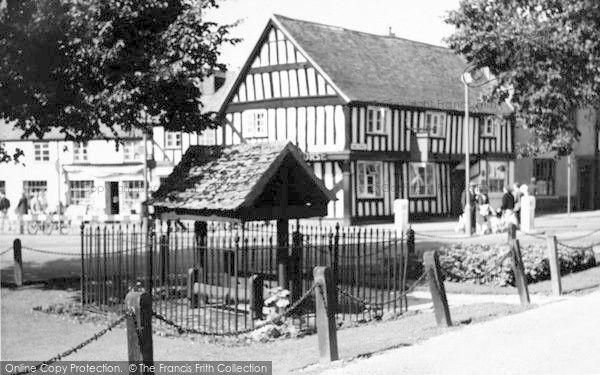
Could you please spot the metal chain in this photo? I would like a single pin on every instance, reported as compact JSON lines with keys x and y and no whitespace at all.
{"x":425,"y":235}
{"x":182,"y":330}
{"x":533,"y":235}
{"x":370,"y":305}
{"x":62,"y":355}
{"x":6,"y":251}
{"x":587,"y":247}
{"x":579,"y":237}
{"x":49,"y":251}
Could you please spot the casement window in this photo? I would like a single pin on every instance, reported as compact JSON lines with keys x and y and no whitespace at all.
{"x":80,"y":152}
{"x":132,"y":193}
{"x":41,"y":151}
{"x":80,"y":192}
{"x":489,"y":127}
{"x":34,"y":187}
{"x":207,"y":137}
{"x":544,"y":172}
{"x":376,"y":118}
{"x":370,"y":179}
{"x":132,"y":151}
{"x":497,"y":176}
{"x":172,"y":139}
{"x":435,"y":124}
{"x":255,"y":123}
{"x":421,"y":179}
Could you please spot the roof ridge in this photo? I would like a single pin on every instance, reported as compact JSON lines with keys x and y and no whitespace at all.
{"x":446,"y":49}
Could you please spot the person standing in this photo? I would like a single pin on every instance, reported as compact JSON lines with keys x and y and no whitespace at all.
{"x":472,"y":200}
{"x":22,"y":209}
{"x":4,"y":206}
{"x":517,"y":194}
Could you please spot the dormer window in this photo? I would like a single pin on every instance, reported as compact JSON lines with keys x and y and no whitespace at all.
{"x":80,"y":152}
{"x":172,"y":139}
{"x":489,"y":126}
{"x":376,"y":117}
{"x":435,"y":124}
{"x":255,"y":123}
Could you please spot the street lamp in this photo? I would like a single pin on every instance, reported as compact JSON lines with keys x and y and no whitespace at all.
{"x":472,"y":77}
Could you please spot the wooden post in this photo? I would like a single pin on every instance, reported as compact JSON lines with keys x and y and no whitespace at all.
{"x":554,"y":265}
{"x":283,"y":231}
{"x":431,"y":262}
{"x":257,"y":299}
{"x":82,"y":280}
{"x":347,"y":188}
{"x":163,"y":256}
{"x":192,"y":279}
{"x":297,"y":266}
{"x":200,"y":233}
{"x":410,"y":241}
{"x":518,"y":268}
{"x":139,"y":330}
{"x":149,"y":223}
{"x":325,"y":308}
{"x":282,"y":252}
{"x":18,"y":262}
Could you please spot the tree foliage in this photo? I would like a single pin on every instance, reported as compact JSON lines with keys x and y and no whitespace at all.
{"x":89,"y":65}
{"x":544,"y":55}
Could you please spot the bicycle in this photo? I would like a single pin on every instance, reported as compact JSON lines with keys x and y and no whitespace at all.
{"x":49,"y":225}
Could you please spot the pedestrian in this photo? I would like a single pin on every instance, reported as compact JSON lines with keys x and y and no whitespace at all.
{"x":517,"y":194}
{"x":22,"y":209}
{"x":4,"y":204}
{"x":472,"y":201}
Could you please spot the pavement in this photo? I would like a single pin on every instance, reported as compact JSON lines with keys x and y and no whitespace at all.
{"x":556,"y":338}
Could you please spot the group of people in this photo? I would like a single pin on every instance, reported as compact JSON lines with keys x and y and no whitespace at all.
{"x":34,"y":203}
{"x":484,"y":219}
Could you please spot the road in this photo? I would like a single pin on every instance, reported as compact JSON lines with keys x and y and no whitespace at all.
{"x":44,"y":266}
{"x":557,"y":338}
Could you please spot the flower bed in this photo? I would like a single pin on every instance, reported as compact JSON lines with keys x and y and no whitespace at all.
{"x":487,"y":264}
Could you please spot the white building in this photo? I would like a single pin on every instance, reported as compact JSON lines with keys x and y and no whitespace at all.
{"x":99,"y":177}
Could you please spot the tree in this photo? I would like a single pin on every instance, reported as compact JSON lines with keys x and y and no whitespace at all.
{"x":544,"y":55}
{"x":87,"y":65}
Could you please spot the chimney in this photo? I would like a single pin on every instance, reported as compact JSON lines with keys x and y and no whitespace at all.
{"x":390,"y":32}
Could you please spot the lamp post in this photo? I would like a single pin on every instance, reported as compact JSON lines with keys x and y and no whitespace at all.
{"x":468,"y":217}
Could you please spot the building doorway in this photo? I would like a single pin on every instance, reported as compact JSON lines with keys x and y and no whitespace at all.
{"x":457,"y":185}
{"x":586,"y":183}
{"x":112,"y":197}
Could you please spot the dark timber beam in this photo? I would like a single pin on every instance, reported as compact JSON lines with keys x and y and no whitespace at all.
{"x":278,"y":68}
{"x":301,"y":101}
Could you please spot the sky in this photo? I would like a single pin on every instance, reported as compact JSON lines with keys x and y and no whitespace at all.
{"x":420,"y":20}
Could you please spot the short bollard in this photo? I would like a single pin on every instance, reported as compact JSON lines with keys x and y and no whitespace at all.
{"x":325,"y":306}
{"x":518,"y":267}
{"x":431,"y":263}
{"x":139,"y":331}
{"x":18,"y":262}
{"x":554,"y":265}
{"x":257,"y":298}
{"x":192,"y":279}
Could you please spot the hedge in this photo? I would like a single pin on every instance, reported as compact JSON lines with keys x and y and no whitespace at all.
{"x":486,"y":264}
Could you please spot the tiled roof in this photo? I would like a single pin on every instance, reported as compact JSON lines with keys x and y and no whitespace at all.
{"x":385,"y":69}
{"x":223,"y":178}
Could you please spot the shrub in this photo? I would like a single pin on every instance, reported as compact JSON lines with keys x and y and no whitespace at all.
{"x":488,"y":264}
